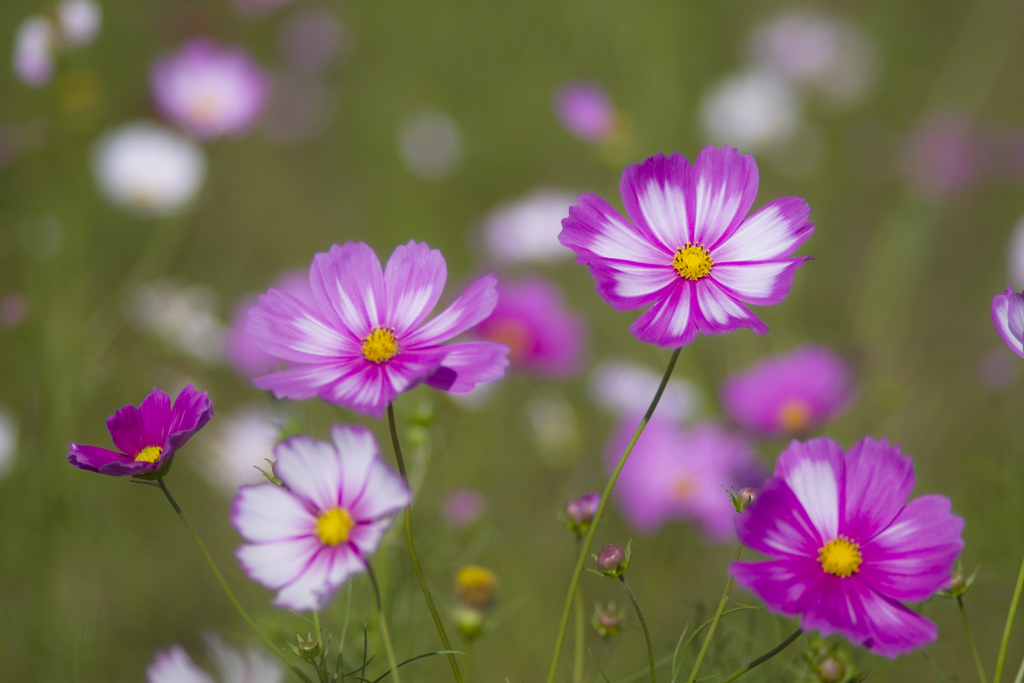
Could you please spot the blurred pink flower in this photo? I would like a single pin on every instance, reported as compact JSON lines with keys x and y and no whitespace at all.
{"x":1015,"y":254}
{"x":260,"y":7}
{"x":312,"y":38}
{"x":678,"y":473}
{"x":526,"y":230}
{"x":13,"y":309}
{"x":34,"y":44}
{"x":790,"y":394}
{"x":173,"y":665}
{"x":998,"y":369}
{"x":542,"y":335}
{"x":944,"y":156}
{"x":462,"y":507}
{"x":1008,"y":317}
{"x":624,"y":387}
{"x":585,"y":110}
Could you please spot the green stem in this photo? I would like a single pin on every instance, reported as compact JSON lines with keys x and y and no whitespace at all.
{"x":714,"y":624}
{"x":643,"y":623}
{"x":412,"y":550}
{"x":224,"y":584}
{"x":970,"y":640}
{"x":392,"y":661}
{"x":765,"y":657}
{"x":581,"y":635}
{"x":574,"y":582}
{"x":1009,"y":624}
{"x":316,"y":625}
{"x":1020,"y":673}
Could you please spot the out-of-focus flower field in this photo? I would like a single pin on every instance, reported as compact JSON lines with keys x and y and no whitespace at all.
{"x":163,"y":162}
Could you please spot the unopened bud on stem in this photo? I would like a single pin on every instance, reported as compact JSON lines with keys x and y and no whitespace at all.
{"x":579,"y":512}
{"x":613,"y":560}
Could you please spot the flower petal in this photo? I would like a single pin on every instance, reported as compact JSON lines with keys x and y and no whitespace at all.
{"x":155,"y":411}
{"x":357,"y":449}
{"x":369,"y":387}
{"x":815,"y":472}
{"x":266,"y":512}
{"x":777,"y":524}
{"x":467,"y":364}
{"x":252,"y":666}
{"x":101,"y":460}
{"x":366,"y":537}
{"x":473,"y":306}
{"x":625,"y":285}
{"x":726,"y":185}
{"x":286,"y":328}
{"x":671,"y":321}
{"x":413,"y":281}
{"x":596,"y":231}
{"x":315,"y":587}
{"x":1008,"y":317}
{"x":278,"y":564}
{"x":175,"y":666}
{"x":783,"y":584}
{"x":878,"y":481}
{"x":717,"y":312}
{"x":659,"y":197}
{"x":383,"y":494}
{"x":759,"y":282}
{"x":128,"y":430}
{"x":775,"y":231}
{"x":192,"y":410}
{"x":348,"y":287}
{"x":306,"y":381}
{"x":311,"y":470}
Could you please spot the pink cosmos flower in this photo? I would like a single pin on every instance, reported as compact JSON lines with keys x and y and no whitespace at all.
{"x":690,"y":252}
{"x":846,"y":548}
{"x":542,"y":336}
{"x":678,"y":473}
{"x":945,"y":156}
{"x":173,"y":665}
{"x":1008,"y":317}
{"x":208,"y":89}
{"x":585,"y":111}
{"x":364,"y":342}
{"x":462,"y":507}
{"x":308,"y":537}
{"x":790,"y":394}
{"x":146,"y":437}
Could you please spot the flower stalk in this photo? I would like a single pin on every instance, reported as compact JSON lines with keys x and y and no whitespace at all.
{"x":388,"y":648}
{"x":765,"y":657}
{"x":643,"y":624}
{"x":1009,"y":624}
{"x":714,"y":624}
{"x":970,"y":640}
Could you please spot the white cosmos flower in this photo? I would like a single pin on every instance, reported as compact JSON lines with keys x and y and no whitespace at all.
{"x":430,"y":144}
{"x":148,"y":170}
{"x":78,"y":21}
{"x":526,"y":230}
{"x":626,"y":388}
{"x":183,"y":316}
{"x":245,"y":440}
{"x":751,"y":111}
{"x":254,"y":666}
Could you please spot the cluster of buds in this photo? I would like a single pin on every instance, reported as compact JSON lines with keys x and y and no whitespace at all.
{"x":742,"y":498}
{"x":608,"y":620}
{"x":579,"y":513}
{"x":612,"y":561}
{"x":828,"y":663}
{"x":474,"y":589}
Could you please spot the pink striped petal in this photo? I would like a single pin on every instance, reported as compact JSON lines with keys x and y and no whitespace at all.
{"x":776,"y":230}
{"x":475,"y":304}
{"x":726,"y":185}
{"x":413,"y":280}
{"x":671,"y":321}
{"x":719,"y":313}
{"x":311,"y":470}
{"x":315,"y":588}
{"x":366,"y":536}
{"x":286,"y":328}
{"x":1008,"y":317}
{"x":659,"y":197}
{"x":878,"y":481}
{"x":625,"y":285}
{"x":783,"y":584}
{"x":278,"y":564}
{"x":815,"y":472}
{"x":348,"y":287}
{"x":595,"y":230}
{"x":304,"y":382}
{"x":383,"y":494}
{"x":760,"y":282}
{"x":777,"y":525}
{"x":358,"y":450}
{"x":267,"y":512}
{"x":467,"y":364}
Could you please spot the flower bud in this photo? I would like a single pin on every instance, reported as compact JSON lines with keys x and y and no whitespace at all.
{"x":469,"y":621}
{"x":579,"y":512}
{"x":742,"y":498}
{"x":475,"y":586}
{"x":308,"y":649}
{"x":612,"y":561}
{"x":958,"y":584}
{"x":830,"y":669}
{"x":607,"y":621}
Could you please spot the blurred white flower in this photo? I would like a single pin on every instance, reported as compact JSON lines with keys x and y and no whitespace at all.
{"x":625,"y":387}
{"x":526,"y":230}
{"x":8,"y":440}
{"x":182,"y":316}
{"x":254,"y":666}
{"x":832,"y":56}
{"x":148,"y":170}
{"x":78,"y":21}
{"x":1016,"y":255}
{"x":430,"y":144}
{"x":34,"y":44}
{"x":244,"y":441}
{"x":555,"y":427}
{"x":751,"y":111}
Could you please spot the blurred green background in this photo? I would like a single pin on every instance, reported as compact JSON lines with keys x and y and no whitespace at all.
{"x":96,"y":573}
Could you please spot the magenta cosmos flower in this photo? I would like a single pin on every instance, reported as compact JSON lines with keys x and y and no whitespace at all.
{"x":208,"y":89}
{"x":310,"y":535}
{"x":584,"y":109}
{"x":1008,"y":317}
{"x":146,"y":437}
{"x":690,"y":252}
{"x":365,"y":342}
{"x":790,"y":394}
{"x":542,"y":335}
{"x":846,"y":548}
{"x":678,"y":473}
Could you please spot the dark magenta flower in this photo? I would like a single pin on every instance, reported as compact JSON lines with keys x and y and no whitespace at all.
{"x":1008,"y":317}
{"x":542,"y":335}
{"x":790,"y":394}
{"x":146,"y":437}
{"x":846,"y":548}
{"x":691,"y":253}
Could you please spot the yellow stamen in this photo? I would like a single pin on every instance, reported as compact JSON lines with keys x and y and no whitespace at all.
{"x":692,"y":262}
{"x":794,"y":415}
{"x":840,"y":556}
{"x":380,"y":345}
{"x":475,"y":585}
{"x":149,"y":454}
{"x":334,"y":525}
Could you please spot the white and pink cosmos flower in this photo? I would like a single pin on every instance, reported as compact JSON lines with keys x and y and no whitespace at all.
{"x":691,"y":253}
{"x":208,"y":89}
{"x":1008,"y":317}
{"x":309,"y":536}
{"x":364,"y":341}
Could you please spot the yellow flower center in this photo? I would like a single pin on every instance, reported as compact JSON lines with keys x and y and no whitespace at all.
{"x":380,"y":346}
{"x":794,"y":415}
{"x":840,"y":556}
{"x":149,"y":454}
{"x":475,"y":585}
{"x":334,"y":525}
{"x":692,"y":262}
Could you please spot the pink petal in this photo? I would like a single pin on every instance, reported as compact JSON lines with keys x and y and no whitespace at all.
{"x":311,"y":470}
{"x":726,"y":185}
{"x":96,"y":459}
{"x":760,"y":282}
{"x":777,"y":524}
{"x":155,"y":411}
{"x":775,"y":231}
{"x":467,"y":364}
{"x":192,"y":410}
{"x":383,"y":493}
{"x":348,"y":287}
{"x":878,"y":481}
{"x":306,"y":382}
{"x":475,"y":304}
{"x":288,"y":329}
{"x":267,"y":512}
{"x":626,"y":285}
{"x":366,"y":537}
{"x":278,"y":564}
{"x":413,"y":280}
{"x":370,"y":387}
{"x":720,"y":313}
{"x":784,"y":584}
{"x":595,"y":231}
{"x":835,"y":604}
{"x":1008,"y":317}
{"x":659,"y":197}
{"x":670,"y":322}
{"x":815,"y":472}
{"x":358,"y":450}
{"x":175,"y":666}
{"x":314,"y":589}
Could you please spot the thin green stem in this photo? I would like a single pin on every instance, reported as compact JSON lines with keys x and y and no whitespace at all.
{"x":392,"y":661}
{"x":412,"y":550}
{"x":714,"y":624}
{"x":578,"y":569}
{"x":970,"y":640}
{"x":581,"y":635}
{"x":643,"y":623}
{"x":1009,"y":624}
{"x":224,"y":584}
{"x":765,"y":657}
{"x":316,"y":625}
{"x":1020,"y":673}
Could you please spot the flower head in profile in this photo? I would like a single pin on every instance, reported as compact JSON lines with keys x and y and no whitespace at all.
{"x":146,"y":437}
{"x":790,"y":394}
{"x":365,"y":340}
{"x":846,"y":547}
{"x":1008,"y":317}
{"x":691,"y":253}
{"x":208,"y":89}
{"x":309,"y":536}
{"x":173,"y":665}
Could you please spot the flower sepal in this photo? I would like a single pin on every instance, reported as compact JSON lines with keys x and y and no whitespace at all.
{"x":308,"y":648}
{"x":154,"y":475}
{"x":958,"y":583}
{"x":742,"y":498}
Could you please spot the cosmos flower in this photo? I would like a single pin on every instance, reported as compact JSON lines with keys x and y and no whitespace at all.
{"x":789,"y":394}
{"x":584,"y":109}
{"x":209,"y":90}
{"x":543,"y":337}
{"x":148,"y":170}
{"x":146,"y":437}
{"x":1015,"y":254}
{"x":244,"y":441}
{"x":78,"y":21}
{"x":365,"y":342}
{"x":754,"y":110}
{"x":430,"y":144}
{"x":623,"y":387}
{"x":846,"y":548}
{"x":462,"y":507}
{"x":690,"y":252}
{"x":1008,"y":317}
{"x":34,"y":44}
{"x":678,"y":473}
{"x":526,"y":230}
{"x":944,"y":156}
{"x":182,"y":316}
{"x":308,"y":537}
{"x":173,"y":665}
